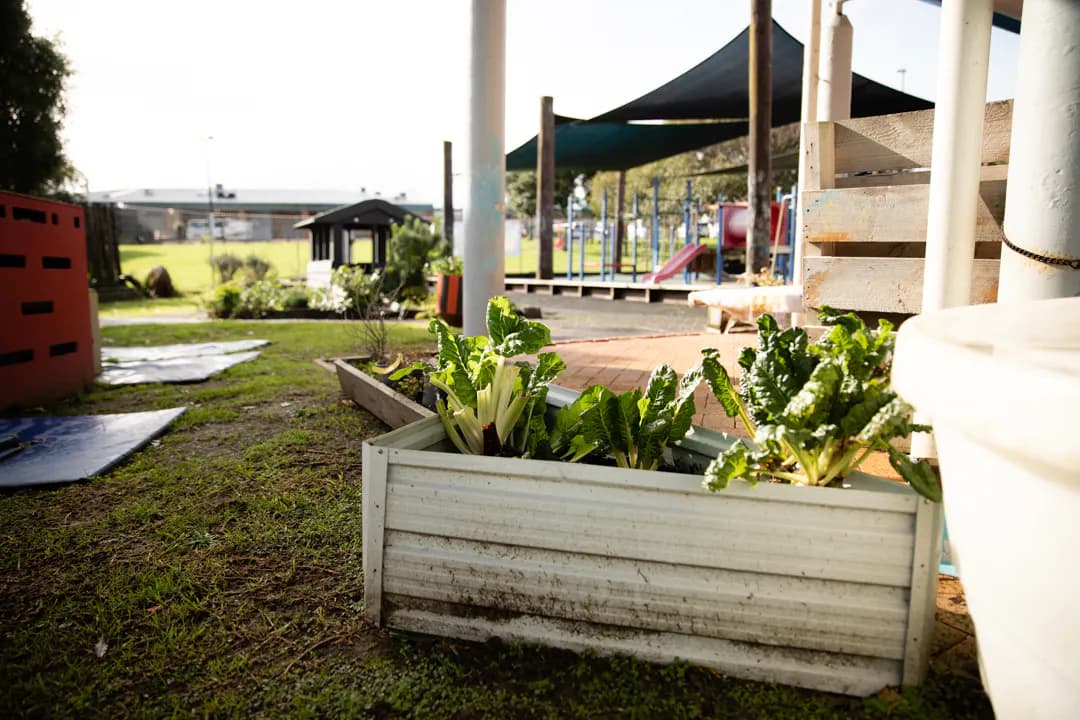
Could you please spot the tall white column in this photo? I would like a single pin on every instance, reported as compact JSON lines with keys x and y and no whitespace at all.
{"x":956,"y":153}
{"x":485,"y":208}
{"x":1042,"y":204}
{"x":955,"y":163}
{"x":809,"y":114}
{"x":834,"y":77}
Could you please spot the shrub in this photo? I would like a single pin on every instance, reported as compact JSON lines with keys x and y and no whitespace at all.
{"x":226,"y":265}
{"x":295,"y":297}
{"x":260,"y":297}
{"x":412,"y":245}
{"x":257,"y":266}
{"x":448,"y":265}
{"x":225,"y":301}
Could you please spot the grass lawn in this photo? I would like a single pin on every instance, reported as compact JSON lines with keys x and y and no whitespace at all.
{"x":220,"y":568}
{"x":188,"y":263}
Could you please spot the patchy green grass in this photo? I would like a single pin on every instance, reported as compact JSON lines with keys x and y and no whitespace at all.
{"x":188,"y":263}
{"x":218,"y":574}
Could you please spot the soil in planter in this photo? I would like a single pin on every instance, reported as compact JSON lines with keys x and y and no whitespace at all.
{"x":413,"y":386}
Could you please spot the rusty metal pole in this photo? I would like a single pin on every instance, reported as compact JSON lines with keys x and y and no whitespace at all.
{"x":620,"y":226}
{"x":448,"y":195}
{"x":759,"y":176}
{"x":545,"y":188}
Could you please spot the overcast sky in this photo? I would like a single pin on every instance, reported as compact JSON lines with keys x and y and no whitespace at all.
{"x":346,"y":94}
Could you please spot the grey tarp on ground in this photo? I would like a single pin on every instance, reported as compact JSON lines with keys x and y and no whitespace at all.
{"x":191,"y":362}
{"x":165,"y":352}
{"x":66,"y":449}
{"x":173,"y":370}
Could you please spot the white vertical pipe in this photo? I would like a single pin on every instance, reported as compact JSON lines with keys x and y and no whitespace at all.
{"x":485,"y":212}
{"x":956,"y":154}
{"x":809,"y":114}
{"x":955,"y":162}
{"x":834,"y":76}
{"x":1042,"y":204}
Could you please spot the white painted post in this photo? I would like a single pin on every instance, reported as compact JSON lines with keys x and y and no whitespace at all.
{"x":956,"y":153}
{"x":834,"y":77}
{"x":485,"y":211}
{"x":809,"y":114}
{"x":955,"y":162}
{"x":1042,"y":204}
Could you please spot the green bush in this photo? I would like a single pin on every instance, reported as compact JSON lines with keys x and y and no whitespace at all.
{"x":295,"y":297}
{"x":412,"y":245}
{"x":257,"y":266}
{"x":448,"y":265}
{"x":260,"y":297}
{"x":361,"y":289}
{"x":225,"y":301}
{"x":226,"y":265}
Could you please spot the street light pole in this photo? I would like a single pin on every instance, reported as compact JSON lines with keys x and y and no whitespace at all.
{"x":210,"y":207}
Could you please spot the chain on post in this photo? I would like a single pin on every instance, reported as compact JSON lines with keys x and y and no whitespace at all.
{"x":1074,"y":263}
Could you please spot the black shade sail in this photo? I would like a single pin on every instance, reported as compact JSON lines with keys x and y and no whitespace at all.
{"x":718,"y":88}
{"x":619,"y":146}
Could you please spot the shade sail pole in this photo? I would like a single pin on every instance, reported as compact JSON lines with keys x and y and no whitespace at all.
{"x":545,"y":188}
{"x":809,"y":114}
{"x":1042,"y":201}
{"x":834,"y":76}
{"x":759,"y":173}
{"x":484,"y":213}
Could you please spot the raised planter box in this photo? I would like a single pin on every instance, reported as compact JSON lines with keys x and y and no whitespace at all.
{"x":383,"y":402}
{"x":825,"y":588}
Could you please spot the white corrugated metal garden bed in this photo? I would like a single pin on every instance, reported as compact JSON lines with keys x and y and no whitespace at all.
{"x":825,"y":588}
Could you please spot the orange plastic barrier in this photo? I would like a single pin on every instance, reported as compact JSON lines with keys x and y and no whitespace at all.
{"x":46,"y":349}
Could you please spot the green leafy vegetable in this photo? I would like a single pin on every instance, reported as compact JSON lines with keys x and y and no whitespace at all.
{"x":492,"y":405}
{"x":635,"y":427}
{"x":814,"y":411}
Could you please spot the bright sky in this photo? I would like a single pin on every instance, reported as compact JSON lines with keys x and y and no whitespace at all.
{"x":343,"y":94}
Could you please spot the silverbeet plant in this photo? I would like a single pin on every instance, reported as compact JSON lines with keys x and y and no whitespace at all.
{"x":814,"y":411}
{"x":635,"y":427}
{"x":490,"y":402}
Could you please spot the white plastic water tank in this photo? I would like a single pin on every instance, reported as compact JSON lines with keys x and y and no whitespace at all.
{"x":1001,"y":384}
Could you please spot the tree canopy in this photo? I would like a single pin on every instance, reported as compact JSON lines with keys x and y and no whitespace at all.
{"x":32,"y":76}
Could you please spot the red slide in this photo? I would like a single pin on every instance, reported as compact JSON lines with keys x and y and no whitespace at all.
{"x":675,"y":265}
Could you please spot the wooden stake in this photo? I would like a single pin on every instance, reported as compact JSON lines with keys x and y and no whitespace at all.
{"x":448,"y":193}
{"x":545,"y":188}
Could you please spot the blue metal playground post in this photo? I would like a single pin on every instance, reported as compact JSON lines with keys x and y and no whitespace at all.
{"x":686,"y":228}
{"x":569,"y":236}
{"x":581,"y":255}
{"x":719,"y":238}
{"x":655,"y":223}
{"x":633,"y":242}
{"x":603,"y":236}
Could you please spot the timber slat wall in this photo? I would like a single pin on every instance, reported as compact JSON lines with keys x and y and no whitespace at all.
{"x":865,"y":202}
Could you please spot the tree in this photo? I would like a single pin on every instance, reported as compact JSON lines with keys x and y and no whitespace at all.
{"x":521,"y":191}
{"x":32,"y":76}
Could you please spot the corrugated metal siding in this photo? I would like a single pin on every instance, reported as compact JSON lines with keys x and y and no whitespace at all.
{"x":703,"y":529}
{"x":745,"y":582}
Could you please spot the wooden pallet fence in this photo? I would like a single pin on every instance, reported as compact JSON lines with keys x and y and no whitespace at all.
{"x":864,"y":210}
